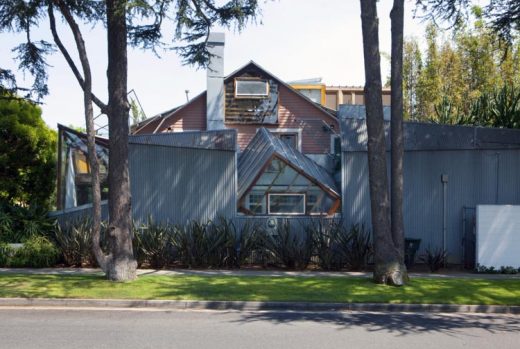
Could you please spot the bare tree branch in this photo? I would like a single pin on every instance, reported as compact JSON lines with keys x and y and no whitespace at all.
{"x":75,"y":29}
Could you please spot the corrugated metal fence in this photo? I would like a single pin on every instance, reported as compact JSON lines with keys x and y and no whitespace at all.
{"x":175,"y":185}
{"x":473,"y":177}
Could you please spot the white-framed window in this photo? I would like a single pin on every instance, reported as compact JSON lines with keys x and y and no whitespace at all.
{"x":286,"y":203}
{"x":251,"y":88}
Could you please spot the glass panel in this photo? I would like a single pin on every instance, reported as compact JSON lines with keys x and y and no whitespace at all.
{"x":290,"y":139}
{"x":81,"y":162}
{"x":313,"y":94}
{"x":256,"y":203}
{"x":274,"y":166}
{"x":318,"y":201}
{"x":286,"y":203}
{"x":251,"y":87}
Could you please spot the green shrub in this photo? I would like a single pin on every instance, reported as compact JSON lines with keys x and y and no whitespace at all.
{"x":291,"y":248}
{"x":249,"y":239}
{"x":74,"y":241}
{"x":434,"y":258}
{"x":357,"y":249}
{"x":215,"y":244}
{"x":328,"y":237}
{"x":240,"y":242}
{"x":503,"y":270}
{"x":5,"y":254}
{"x":153,"y":244}
{"x":37,"y":252}
{"x":201,"y":244}
{"x":17,"y":223}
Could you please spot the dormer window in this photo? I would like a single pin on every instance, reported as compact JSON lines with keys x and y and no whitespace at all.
{"x":251,"y":88}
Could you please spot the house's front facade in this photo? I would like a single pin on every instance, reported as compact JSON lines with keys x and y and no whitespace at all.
{"x":247,"y":100}
{"x":253,"y":148}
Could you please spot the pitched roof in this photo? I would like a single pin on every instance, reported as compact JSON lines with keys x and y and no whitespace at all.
{"x":219,"y":139}
{"x":160,"y":118}
{"x":263,"y":147}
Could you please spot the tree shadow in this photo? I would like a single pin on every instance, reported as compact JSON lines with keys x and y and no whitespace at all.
{"x":399,"y":323}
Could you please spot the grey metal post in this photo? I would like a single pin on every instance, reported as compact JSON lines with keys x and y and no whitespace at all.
{"x":444,"y":180}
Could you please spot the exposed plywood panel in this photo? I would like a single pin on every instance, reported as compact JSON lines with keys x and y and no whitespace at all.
{"x":498,"y":236}
{"x":245,"y":110}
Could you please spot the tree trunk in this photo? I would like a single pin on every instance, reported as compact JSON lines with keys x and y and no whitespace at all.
{"x":122,"y":264}
{"x":86,"y":85}
{"x":396,"y":130}
{"x":388,"y":268}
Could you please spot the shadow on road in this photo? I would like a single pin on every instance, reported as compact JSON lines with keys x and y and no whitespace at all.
{"x":402,"y":324}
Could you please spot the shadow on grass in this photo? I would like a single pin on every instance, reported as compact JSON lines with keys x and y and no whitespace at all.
{"x":239,"y":288}
{"x":398,"y":323}
{"x":45,"y":286}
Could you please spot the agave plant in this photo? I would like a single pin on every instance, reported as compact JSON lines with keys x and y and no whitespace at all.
{"x":357,"y":249}
{"x":361,"y":247}
{"x":291,"y":248}
{"x":434,"y":258}
{"x":505,"y":110}
{"x":328,"y":237}
{"x":154,"y":244}
{"x":241,"y":241}
{"x":74,"y":240}
{"x":200,"y":244}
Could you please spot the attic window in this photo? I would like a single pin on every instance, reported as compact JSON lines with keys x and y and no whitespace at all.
{"x":251,"y":88}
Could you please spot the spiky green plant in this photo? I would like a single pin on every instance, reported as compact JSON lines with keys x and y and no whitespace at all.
{"x":291,"y":247}
{"x":74,"y":241}
{"x":241,"y":241}
{"x":328,"y":237}
{"x":435,"y":258}
{"x":154,"y":244}
{"x":358,"y":249}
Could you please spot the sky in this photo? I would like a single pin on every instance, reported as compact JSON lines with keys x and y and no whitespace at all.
{"x":292,"y":39}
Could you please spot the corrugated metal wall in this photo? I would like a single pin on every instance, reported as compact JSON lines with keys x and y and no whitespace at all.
{"x":474,"y":177}
{"x":78,"y":213}
{"x":176,"y":184}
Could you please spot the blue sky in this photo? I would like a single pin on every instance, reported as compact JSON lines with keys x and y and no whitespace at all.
{"x":293,"y":39}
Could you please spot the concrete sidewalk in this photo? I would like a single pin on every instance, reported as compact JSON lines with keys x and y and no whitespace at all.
{"x":254,"y":272}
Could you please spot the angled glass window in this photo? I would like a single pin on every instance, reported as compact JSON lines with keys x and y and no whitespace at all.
{"x":281,"y":190}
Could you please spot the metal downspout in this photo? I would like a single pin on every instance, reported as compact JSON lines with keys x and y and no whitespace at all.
{"x":444,"y":180}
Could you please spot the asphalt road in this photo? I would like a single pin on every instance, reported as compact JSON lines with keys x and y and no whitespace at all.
{"x":75,"y":328}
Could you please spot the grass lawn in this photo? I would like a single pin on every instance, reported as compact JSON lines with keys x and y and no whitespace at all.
{"x":262,"y":288}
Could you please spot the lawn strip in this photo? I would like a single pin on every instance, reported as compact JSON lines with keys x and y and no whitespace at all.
{"x":264,"y":288}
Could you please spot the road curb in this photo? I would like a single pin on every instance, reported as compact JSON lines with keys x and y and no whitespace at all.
{"x":256,"y":306}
